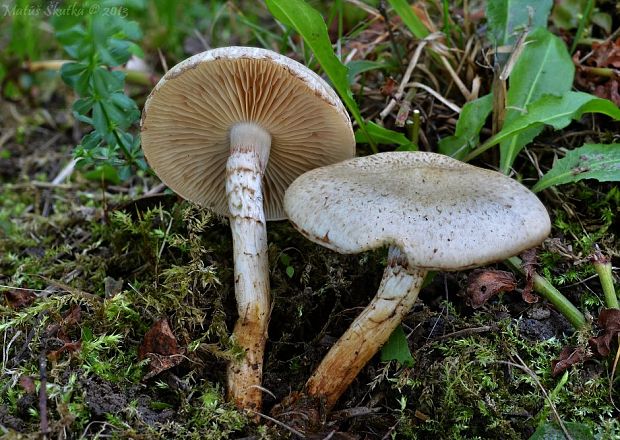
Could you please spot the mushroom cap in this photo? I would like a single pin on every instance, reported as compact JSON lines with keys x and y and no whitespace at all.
{"x":188,"y":116}
{"x":442,"y":213}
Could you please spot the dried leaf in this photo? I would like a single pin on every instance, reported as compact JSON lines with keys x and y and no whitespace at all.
{"x":568,"y":356}
{"x":608,"y":90}
{"x":159,"y":339}
{"x":18,"y":298}
{"x":606,"y":54}
{"x":604,"y":57}
{"x":160,"y":347}
{"x":72,"y":317}
{"x":484,"y":284}
{"x":69,"y":347}
{"x":389,"y":87}
{"x":609,"y":320}
{"x":529,"y":266}
{"x":27,"y":383}
{"x":161,"y":363}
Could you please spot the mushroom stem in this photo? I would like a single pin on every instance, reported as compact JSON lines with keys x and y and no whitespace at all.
{"x":249,"y":145}
{"x":397,"y":294}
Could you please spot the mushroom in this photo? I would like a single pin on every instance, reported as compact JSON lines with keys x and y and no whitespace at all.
{"x":434,"y":213}
{"x":230,"y":129}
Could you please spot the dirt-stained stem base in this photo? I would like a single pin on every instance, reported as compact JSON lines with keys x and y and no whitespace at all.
{"x":397,"y":294}
{"x":245,"y":167}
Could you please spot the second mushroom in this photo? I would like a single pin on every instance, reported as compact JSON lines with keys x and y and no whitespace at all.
{"x":230,"y":129}
{"x":434,"y":213}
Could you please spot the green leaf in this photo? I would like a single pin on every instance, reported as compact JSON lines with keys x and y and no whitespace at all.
{"x":360,"y":66}
{"x":554,"y":111}
{"x":551,"y":431}
{"x":383,"y":135}
{"x":471,"y":120}
{"x":566,"y":13}
{"x":290,"y":271}
{"x":100,"y":121}
{"x":105,"y":82}
{"x":105,"y":173}
{"x":77,"y":76}
{"x":590,"y":161}
{"x":404,"y":11}
{"x":507,"y":17}
{"x":310,"y":25}
{"x":543,"y":68}
{"x":397,"y":348}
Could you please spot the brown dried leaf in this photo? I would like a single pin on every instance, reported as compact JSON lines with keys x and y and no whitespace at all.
{"x":529,"y":266}
{"x":568,"y":356}
{"x":27,"y":383}
{"x":609,"y":320}
{"x":389,"y":87}
{"x":159,"y":339}
{"x":161,"y":363}
{"x":18,"y":298}
{"x":606,"y":54}
{"x":72,"y":317}
{"x":69,"y":347}
{"x":608,"y":90}
{"x":598,"y":74}
{"x":484,"y":284}
{"x":160,"y":347}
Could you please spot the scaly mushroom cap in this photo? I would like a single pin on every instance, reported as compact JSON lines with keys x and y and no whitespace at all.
{"x":188,"y":116}
{"x":442,"y":213}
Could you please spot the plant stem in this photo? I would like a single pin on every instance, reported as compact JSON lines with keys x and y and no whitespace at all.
{"x":602,"y":266}
{"x":553,"y":295}
{"x":132,"y":76}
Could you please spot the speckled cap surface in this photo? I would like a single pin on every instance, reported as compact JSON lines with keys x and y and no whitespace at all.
{"x":187,"y":119}
{"x":442,"y":213}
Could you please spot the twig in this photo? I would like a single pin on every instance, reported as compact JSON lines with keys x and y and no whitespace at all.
{"x":464,"y":91}
{"x":523,"y":367}
{"x":367,"y":8}
{"x":43,"y":393}
{"x":403,"y":84}
{"x":65,"y":172}
{"x":466,"y":332}
{"x":279,"y":423}
{"x":447,"y":103}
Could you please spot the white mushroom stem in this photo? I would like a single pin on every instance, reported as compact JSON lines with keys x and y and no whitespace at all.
{"x":249,"y":153}
{"x":396,"y":296}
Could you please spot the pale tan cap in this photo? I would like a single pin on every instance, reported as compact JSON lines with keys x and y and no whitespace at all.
{"x":187,"y":119}
{"x":442,"y":213}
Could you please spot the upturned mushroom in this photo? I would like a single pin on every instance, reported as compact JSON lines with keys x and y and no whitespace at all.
{"x":434,"y":213}
{"x":230,"y":129}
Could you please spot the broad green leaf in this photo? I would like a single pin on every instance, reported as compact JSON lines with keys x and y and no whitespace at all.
{"x":397,"y":348}
{"x":383,"y":135}
{"x":471,"y":120}
{"x":310,"y":25}
{"x":543,"y":68}
{"x":591,"y":161}
{"x":507,"y":17}
{"x":554,"y":111}
{"x":566,"y":13}
{"x":404,"y":11}
{"x":551,"y":431}
{"x":360,"y":66}
{"x":105,"y":173}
